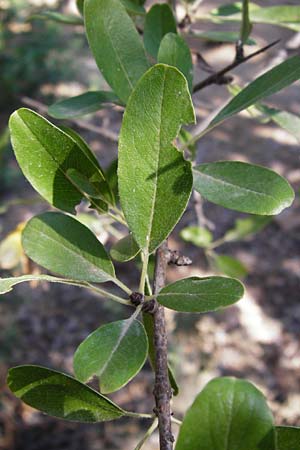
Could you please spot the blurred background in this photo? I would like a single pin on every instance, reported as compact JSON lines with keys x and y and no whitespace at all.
{"x":258,"y":339}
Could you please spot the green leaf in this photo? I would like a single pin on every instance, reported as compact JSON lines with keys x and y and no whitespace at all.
{"x":119,"y":52}
{"x":246,"y":25}
{"x":134,"y":7}
{"x":98,"y":184}
{"x":221,"y":36}
{"x":81,"y":105}
{"x":115,"y":353}
{"x":159,"y":21}
{"x":229,"y":414}
{"x":80,"y":6}
{"x":149,"y":328}
{"x":7,"y":284}
{"x":58,"y":17}
{"x":185,"y":137}
{"x":243,"y":187}
{"x":199,"y":236}
{"x":125,"y":249}
{"x":111,"y":176}
{"x":269,"y":83}
{"x":288,"y":438}
{"x":229,"y":266}
{"x":60,"y":395}
{"x":247,"y":227}
{"x":277,"y":14}
{"x":286,"y":120}
{"x":174,"y":51}
{"x":152,"y":173}
{"x":201,"y":295}
{"x":45,"y":153}
{"x":65,"y":246}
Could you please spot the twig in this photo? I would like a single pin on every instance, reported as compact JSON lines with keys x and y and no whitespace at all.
{"x":162,"y":390}
{"x":80,"y":123}
{"x":147,"y":435}
{"x":215,"y":78}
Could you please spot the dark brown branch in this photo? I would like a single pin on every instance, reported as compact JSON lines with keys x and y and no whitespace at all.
{"x":162,"y":389}
{"x":216,"y":77}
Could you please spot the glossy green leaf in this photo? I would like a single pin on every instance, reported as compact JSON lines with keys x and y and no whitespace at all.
{"x":246,"y":25}
{"x":199,"y":236}
{"x":159,"y":21}
{"x":149,"y":328}
{"x":115,"y":353}
{"x":80,"y":6}
{"x":246,"y":227}
{"x":288,"y":438}
{"x":119,"y":52}
{"x":269,"y":83}
{"x":65,"y":246}
{"x":45,"y":153}
{"x":134,"y":7}
{"x":221,"y":36}
{"x":58,"y":17}
{"x":229,"y":414}
{"x":81,"y":105}
{"x":174,"y":51}
{"x":125,"y":249}
{"x":286,"y":120}
{"x":152,"y":173}
{"x":201,"y":295}
{"x":60,"y":395}
{"x":229,"y":266}
{"x":243,"y":187}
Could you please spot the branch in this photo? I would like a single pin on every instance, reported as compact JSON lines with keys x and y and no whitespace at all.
{"x":162,"y":390}
{"x":218,"y":77}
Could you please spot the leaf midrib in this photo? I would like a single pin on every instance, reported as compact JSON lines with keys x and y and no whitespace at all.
{"x":154,"y":198}
{"x":227,"y":183}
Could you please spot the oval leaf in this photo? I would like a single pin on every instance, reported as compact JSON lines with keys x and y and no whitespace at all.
{"x":288,"y":438}
{"x":229,"y":414}
{"x":45,"y":153}
{"x":65,"y":246}
{"x":229,"y":266}
{"x":243,"y":187}
{"x":152,"y":173}
{"x":174,"y":51}
{"x":119,"y":53}
{"x":125,"y":249}
{"x":60,"y":395}
{"x":159,"y":21}
{"x":197,"y":235}
{"x":201,"y":295}
{"x":81,"y":105}
{"x":267,"y":84}
{"x":115,"y":353}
